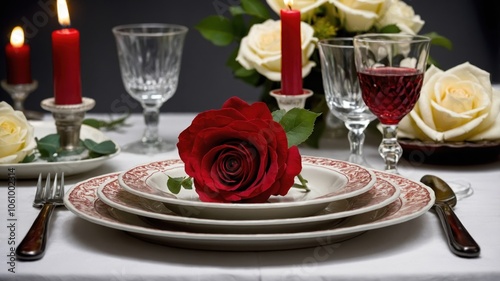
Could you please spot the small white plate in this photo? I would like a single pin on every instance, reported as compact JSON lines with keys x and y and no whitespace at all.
{"x":33,"y":169}
{"x":415,"y":199}
{"x":380,"y":195}
{"x":329,"y":180}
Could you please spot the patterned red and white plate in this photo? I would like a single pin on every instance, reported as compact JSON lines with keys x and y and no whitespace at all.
{"x":415,"y":199}
{"x":380,"y":195}
{"x":329,"y":180}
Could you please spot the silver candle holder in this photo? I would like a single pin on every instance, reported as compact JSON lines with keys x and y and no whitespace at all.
{"x":69,"y":119}
{"x":288,"y":102}
{"x":19,"y":93}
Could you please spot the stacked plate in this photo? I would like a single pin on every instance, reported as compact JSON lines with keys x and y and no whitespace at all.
{"x":345,"y":200}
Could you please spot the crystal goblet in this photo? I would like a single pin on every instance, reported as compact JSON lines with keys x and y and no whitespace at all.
{"x":343,"y":94}
{"x":391,"y":71}
{"x":150,"y":55}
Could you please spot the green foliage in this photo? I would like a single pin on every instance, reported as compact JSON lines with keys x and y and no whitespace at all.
{"x":49,"y":148}
{"x":175,"y":184}
{"x":298,"y":124}
{"x":99,"y":149}
{"x":29,"y":158}
{"x":218,"y":30}
{"x":255,"y":8}
{"x":113,"y":124}
{"x":439,"y":40}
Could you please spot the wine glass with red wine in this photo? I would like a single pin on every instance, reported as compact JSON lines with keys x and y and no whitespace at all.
{"x":390,"y":71}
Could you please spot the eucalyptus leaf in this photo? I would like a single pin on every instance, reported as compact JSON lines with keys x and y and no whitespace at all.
{"x":298,"y":124}
{"x":255,"y":8}
{"x":103,"y":148}
{"x":48,"y":145}
{"x":95,"y":123}
{"x":216,"y":29}
{"x":29,"y":158}
{"x":108,"y":125}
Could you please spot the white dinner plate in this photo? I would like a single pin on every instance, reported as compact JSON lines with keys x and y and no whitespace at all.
{"x":329,"y":180}
{"x":381,"y":194}
{"x":415,"y":199}
{"x":33,"y":169}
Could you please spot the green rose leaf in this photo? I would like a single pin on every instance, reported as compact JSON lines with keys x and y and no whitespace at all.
{"x":298,"y":124}
{"x":278,"y":115}
{"x":48,"y":145}
{"x":103,"y":148}
{"x":255,"y":8}
{"x":392,"y":28}
{"x":175,"y":184}
{"x":216,"y":29}
{"x":236,"y":11}
{"x":439,"y":40}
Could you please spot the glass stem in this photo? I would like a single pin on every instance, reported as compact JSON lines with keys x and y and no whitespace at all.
{"x":356,"y":138}
{"x":390,"y":149}
{"x":151,"y":118}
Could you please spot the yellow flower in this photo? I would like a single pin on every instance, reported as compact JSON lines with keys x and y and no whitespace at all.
{"x":16,"y":135}
{"x":455,"y":105}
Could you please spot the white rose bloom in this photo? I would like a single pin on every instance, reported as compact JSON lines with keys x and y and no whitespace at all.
{"x":403,"y":16}
{"x":359,"y":15}
{"x":16,"y":135}
{"x":304,"y":6}
{"x":455,"y":105}
{"x":261,"y":49}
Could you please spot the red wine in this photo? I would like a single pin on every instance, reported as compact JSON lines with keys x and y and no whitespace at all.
{"x":390,"y":92}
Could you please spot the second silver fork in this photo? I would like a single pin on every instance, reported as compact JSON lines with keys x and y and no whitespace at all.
{"x":47,"y":196}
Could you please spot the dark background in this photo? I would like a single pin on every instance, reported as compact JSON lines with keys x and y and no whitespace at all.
{"x":205,"y":81}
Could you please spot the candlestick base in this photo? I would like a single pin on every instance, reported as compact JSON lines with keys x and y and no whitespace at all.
{"x":69,"y":119}
{"x":19,"y":93}
{"x":288,"y":102}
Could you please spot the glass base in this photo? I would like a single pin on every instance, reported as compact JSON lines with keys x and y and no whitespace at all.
{"x":461,"y":188}
{"x":359,"y":160}
{"x":140,"y":147}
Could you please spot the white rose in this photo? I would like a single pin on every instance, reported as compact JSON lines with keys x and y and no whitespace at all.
{"x":261,"y":49}
{"x":403,"y":16}
{"x":16,"y":135}
{"x":359,"y":15}
{"x":304,"y":6}
{"x":455,"y":105}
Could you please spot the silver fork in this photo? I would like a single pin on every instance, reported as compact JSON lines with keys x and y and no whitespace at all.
{"x":48,"y":197}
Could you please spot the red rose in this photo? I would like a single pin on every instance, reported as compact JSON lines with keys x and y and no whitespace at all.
{"x":238,"y":154}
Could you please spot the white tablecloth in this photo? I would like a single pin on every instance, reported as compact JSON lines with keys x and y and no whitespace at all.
{"x":414,"y":250}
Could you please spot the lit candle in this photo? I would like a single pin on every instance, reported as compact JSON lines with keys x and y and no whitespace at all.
{"x":291,"y":51}
{"x":18,"y":58}
{"x":66,"y":60}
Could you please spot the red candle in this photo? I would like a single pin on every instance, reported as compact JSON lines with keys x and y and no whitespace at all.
{"x":291,"y":52}
{"x":18,"y":58}
{"x":66,"y":60}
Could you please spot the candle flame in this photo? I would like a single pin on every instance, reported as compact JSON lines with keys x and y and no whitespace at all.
{"x":17,"y":37}
{"x":289,"y":3}
{"x":62,"y":13}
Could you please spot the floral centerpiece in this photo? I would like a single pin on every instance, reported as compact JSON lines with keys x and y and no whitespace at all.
{"x":257,"y":56}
